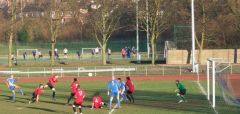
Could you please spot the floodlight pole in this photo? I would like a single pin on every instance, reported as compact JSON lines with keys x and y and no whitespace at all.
{"x":148,"y":48}
{"x":137,"y":34}
{"x":193,"y":36}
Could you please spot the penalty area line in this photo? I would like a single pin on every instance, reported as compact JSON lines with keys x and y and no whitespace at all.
{"x":115,"y":106}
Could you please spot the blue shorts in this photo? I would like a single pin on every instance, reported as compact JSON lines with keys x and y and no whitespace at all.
{"x":114,"y":94}
{"x":11,"y":88}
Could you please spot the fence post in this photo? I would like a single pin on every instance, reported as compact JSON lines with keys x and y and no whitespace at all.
{"x":146,"y":71}
{"x":61,"y":71}
{"x":163,"y":70}
{"x":231,"y":69}
{"x":129,"y":71}
{"x":78,"y":71}
{"x":44,"y":72}
{"x":180,"y":70}
{"x":213,"y":84}
{"x":95,"y":74}
{"x":28,"y":72}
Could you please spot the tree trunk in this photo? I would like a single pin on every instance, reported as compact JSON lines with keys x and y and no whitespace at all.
{"x":153,"y":52}
{"x":200,"y":54}
{"x":104,"y":54}
{"x":53,"y":54}
{"x":10,"y":49}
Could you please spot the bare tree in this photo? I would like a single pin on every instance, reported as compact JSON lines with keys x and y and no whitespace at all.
{"x":235,"y":7}
{"x":105,"y":20}
{"x":158,"y":16}
{"x":53,"y":16}
{"x":11,"y":32}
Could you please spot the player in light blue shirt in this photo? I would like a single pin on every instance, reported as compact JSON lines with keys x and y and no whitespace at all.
{"x":122,"y":89}
{"x":12,"y":86}
{"x":113,"y":91}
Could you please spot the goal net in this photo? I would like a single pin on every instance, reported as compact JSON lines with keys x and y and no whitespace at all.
{"x":220,"y":85}
{"x":91,"y":51}
{"x":28,"y":52}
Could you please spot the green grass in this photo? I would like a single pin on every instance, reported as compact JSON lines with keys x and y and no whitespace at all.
{"x":152,"y":97}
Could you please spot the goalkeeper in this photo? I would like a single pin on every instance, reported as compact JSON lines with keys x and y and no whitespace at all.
{"x":181,"y":91}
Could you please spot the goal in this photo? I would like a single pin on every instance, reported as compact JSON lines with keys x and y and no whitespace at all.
{"x":91,"y":50}
{"x":28,"y":52}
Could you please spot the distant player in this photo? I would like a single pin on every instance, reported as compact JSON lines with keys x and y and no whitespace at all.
{"x":52,"y":80}
{"x":74,"y":86}
{"x":181,"y":91}
{"x":12,"y":86}
{"x":113,"y":91}
{"x":79,"y":96}
{"x":36,"y":94}
{"x":97,"y":101}
{"x":122,"y":89}
{"x":130,"y":89}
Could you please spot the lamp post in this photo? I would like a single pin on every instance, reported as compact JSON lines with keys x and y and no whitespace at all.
{"x":148,"y":49}
{"x":137,"y":33}
{"x":193,"y":36}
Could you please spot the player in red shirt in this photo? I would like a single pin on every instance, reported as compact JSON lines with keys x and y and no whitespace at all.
{"x":36,"y":94}
{"x":97,"y":101}
{"x":79,"y":96}
{"x":74,"y":86}
{"x":52,"y":80}
{"x":130,"y":89}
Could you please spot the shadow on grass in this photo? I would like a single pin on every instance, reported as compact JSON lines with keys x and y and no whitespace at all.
{"x":43,"y":109}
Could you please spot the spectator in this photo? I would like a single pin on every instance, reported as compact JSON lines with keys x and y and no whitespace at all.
{"x":134,"y":51}
{"x":65,"y":52}
{"x":56,"y":53}
{"x":93,"y":52}
{"x":50,"y":54}
{"x":123,"y":52}
{"x":24,"y":55}
{"x":14,"y":59}
{"x":109,"y":53}
{"x":128,"y":52}
{"x":78,"y":54}
{"x":97,"y":51}
{"x":40,"y":54}
{"x":34,"y":54}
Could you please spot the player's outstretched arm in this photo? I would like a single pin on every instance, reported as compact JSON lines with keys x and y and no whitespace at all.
{"x":7,"y":84}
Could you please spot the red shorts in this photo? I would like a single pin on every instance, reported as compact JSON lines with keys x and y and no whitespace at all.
{"x":77,"y":104}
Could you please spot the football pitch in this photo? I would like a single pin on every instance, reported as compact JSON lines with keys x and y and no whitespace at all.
{"x":151,"y":97}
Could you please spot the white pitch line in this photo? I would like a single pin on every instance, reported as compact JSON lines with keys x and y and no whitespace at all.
{"x":115,"y":107}
{"x":205,"y":93}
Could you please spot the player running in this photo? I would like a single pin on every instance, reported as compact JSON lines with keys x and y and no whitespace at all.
{"x":52,"y":80}
{"x":10,"y":82}
{"x":74,"y":86}
{"x":79,"y":96}
{"x":130,"y":89}
{"x":97,"y":101}
{"x":181,"y":91}
{"x":36,"y":94}
{"x":122,"y":89}
{"x":113,"y":91}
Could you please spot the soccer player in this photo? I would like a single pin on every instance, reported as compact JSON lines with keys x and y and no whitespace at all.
{"x":52,"y":80}
{"x":97,"y":101}
{"x":122,"y":89}
{"x":113,"y":91}
{"x":12,"y":86}
{"x":181,"y":91}
{"x":74,"y":86}
{"x":36,"y":94}
{"x":79,"y":96}
{"x":130,"y":89}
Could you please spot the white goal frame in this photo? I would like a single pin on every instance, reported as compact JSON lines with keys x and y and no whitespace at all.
{"x":26,"y":50}
{"x":100,"y":49}
{"x":212,"y":63}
